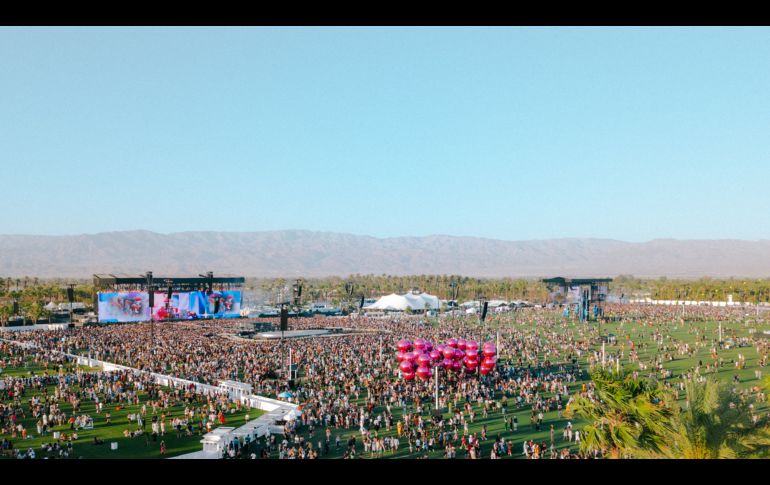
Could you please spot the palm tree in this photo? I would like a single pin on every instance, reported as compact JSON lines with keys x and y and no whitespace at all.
{"x":625,"y":414}
{"x":34,"y":311}
{"x":5,"y":314}
{"x":713,"y":424}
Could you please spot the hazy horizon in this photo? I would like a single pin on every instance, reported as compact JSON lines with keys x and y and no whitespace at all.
{"x":321,"y":231}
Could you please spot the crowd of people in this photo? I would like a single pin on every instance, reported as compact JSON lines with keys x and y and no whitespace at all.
{"x":354,"y":402}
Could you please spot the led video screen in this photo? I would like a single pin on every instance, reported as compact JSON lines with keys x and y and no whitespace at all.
{"x":177,"y":308}
{"x":133,"y":306}
{"x":204,"y":303}
{"x":573,"y":296}
{"x":124,"y":306}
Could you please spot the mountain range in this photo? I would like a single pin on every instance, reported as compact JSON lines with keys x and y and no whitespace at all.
{"x":294,"y":253}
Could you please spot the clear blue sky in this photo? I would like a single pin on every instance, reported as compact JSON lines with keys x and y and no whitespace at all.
{"x":510,"y":133}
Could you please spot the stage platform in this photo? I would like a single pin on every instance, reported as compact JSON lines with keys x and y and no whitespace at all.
{"x":292,"y":334}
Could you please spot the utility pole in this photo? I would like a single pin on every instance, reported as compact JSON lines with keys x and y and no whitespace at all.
{"x":435,"y":376}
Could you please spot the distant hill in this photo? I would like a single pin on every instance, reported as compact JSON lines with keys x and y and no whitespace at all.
{"x":305,"y":253}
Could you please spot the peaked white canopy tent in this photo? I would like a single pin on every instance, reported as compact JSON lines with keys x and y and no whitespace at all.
{"x":394,"y":302}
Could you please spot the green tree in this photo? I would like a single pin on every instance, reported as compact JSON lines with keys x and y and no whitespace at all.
{"x":5,"y":313}
{"x":625,"y":414}
{"x":34,"y":311}
{"x":713,"y":424}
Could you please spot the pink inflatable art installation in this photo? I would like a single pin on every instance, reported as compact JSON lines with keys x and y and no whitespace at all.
{"x":419,"y":357}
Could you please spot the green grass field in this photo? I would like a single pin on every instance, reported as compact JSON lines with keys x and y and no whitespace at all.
{"x":687,"y":332}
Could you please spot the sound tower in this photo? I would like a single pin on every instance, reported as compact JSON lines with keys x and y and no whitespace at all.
{"x":71,"y":294}
{"x":284,"y":319}
{"x":216,"y":305}
{"x":361,"y":305}
{"x":150,"y":292}
{"x":15,"y":307}
{"x":170,"y":292}
{"x":297,"y":290}
{"x":484,"y":311}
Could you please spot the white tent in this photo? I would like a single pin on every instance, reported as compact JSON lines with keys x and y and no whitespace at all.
{"x":431,"y":301}
{"x":400,"y":303}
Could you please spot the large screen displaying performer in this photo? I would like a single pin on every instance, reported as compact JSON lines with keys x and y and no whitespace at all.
{"x":124,"y":306}
{"x":205,"y":303}
{"x":133,"y":306}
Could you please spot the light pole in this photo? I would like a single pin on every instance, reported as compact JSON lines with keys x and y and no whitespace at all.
{"x":289,"y":374}
{"x":349,"y":289}
{"x":603,"y":354}
{"x":168,"y":299}
{"x":151,"y":301}
{"x":454,"y":285}
{"x":435,"y":376}
{"x":71,"y":296}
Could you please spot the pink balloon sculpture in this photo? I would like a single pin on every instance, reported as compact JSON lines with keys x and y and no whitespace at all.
{"x":423,"y":372}
{"x":459,"y":355}
{"x":404,"y":345}
{"x":406,"y":367}
{"x":424,"y":360}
